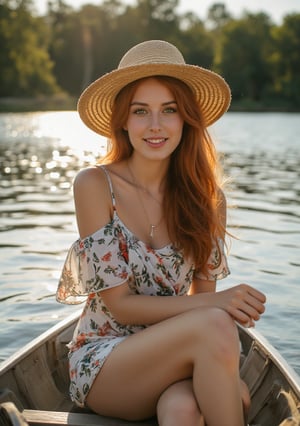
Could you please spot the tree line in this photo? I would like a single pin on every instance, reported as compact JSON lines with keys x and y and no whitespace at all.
{"x":65,"y":49}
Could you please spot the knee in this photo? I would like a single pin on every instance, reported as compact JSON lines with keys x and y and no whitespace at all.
{"x":185,"y":412}
{"x":220,"y":335}
{"x":178,"y":410}
{"x":224,"y":331}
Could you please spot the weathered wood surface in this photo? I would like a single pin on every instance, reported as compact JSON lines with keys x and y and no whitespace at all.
{"x":10,"y":415}
{"x":53,"y":418}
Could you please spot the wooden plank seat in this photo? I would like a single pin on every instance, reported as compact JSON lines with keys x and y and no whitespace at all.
{"x":54,"y":418}
{"x":11,"y":416}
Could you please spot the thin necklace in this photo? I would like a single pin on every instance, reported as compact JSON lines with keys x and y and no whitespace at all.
{"x":139,"y":188}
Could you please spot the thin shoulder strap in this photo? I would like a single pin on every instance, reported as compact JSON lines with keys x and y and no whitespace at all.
{"x":113,"y":199}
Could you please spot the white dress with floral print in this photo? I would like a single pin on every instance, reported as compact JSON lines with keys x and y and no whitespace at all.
{"x":107,"y":258}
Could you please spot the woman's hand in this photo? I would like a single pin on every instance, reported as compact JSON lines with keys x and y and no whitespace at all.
{"x":244,"y":303}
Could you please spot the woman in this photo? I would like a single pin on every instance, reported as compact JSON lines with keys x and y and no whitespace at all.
{"x":152,"y":222}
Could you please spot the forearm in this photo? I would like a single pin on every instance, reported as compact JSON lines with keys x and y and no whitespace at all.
{"x":242,"y":302}
{"x":147,"y":310}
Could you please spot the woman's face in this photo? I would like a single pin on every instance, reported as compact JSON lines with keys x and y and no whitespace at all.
{"x":154,"y":125}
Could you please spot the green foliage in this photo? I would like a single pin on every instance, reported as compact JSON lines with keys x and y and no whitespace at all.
{"x":285,"y":59}
{"x":25,"y":64}
{"x":197,"y":44}
{"x":242,"y":55}
{"x":67,"y":49}
{"x":218,"y":16}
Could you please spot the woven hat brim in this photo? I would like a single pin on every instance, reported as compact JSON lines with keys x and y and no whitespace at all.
{"x":95,"y":104}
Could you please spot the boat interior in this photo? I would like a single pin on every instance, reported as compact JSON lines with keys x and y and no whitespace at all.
{"x":35,"y":386}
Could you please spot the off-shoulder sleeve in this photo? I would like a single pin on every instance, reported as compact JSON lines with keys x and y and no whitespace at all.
{"x":93,"y":264}
{"x":217,"y":266}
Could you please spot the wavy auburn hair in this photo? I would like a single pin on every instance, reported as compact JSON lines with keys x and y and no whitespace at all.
{"x":192,"y":193}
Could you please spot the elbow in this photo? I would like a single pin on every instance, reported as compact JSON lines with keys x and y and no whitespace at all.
{"x":117,"y":301}
{"x":121,"y":313}
{"x":125,"y":316}
{"x":125,"y":320}
{"x":123,"y":306}
{"x":121,"y":318}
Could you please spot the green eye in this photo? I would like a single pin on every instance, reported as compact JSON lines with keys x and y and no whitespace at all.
{"x":170,"y":110}
{"x":140,"y":111}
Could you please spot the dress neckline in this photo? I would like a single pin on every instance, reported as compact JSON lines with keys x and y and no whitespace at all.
{"x":133,"y":236}
{"x":116,"y":216}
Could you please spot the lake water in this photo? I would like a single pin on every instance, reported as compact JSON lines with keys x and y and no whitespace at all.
{"x":40,"y":153}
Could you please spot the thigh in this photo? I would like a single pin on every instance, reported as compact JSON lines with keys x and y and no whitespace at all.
{"x":141,"y":367}
{"x":138,"y":370}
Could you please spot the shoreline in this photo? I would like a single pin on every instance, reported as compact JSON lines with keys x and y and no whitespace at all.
{"x":62,"y":102}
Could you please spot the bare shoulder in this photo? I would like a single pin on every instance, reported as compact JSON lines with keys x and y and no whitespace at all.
{"x":92,"y":200}
{"x":90,"y":183}
{"x":89,"y":176}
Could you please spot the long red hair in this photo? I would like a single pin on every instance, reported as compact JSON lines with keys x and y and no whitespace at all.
{"x":192,"y":191}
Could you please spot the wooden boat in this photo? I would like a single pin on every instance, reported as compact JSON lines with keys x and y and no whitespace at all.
{"x":34,"y":384}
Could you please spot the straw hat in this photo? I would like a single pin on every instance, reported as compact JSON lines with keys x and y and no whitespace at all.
{"x":148,"y":59}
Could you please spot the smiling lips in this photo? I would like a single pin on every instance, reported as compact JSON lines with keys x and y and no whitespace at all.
{"x":157,"y":142}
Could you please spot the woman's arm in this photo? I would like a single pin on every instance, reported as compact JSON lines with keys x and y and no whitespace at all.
{"x":242,"y":302}
{"x":202,"y":286}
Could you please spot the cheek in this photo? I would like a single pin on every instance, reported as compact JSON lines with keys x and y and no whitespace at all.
{"x":135,"y":126}
{"x":177,"y":126}
{"x":133,"y":130}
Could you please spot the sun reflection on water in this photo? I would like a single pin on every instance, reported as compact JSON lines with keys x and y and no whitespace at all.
{"x":53,"y":145}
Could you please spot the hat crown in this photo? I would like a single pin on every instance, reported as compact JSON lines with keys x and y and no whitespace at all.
{"x":152,"y":52}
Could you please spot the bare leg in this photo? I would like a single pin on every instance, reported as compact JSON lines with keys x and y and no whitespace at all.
{"x":246,"y":399}
{"x":201,"y":344}
{"x":177,"y":406}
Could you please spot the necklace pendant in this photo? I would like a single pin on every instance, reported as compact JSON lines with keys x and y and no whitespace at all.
{"x":152,"y":227}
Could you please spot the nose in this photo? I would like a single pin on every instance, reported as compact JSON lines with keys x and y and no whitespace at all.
{"x":155,"y":122}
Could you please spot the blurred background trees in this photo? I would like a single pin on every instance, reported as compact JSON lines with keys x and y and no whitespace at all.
{"x":63,"y":51}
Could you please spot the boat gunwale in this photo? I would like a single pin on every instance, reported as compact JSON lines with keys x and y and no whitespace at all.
{"x":37,"y":342}
{"x":276,"y":358}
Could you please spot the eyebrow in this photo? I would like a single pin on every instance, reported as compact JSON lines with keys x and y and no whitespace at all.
{"x":145,"y":104}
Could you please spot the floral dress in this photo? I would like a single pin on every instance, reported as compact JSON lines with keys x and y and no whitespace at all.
{"x":110,"y":257}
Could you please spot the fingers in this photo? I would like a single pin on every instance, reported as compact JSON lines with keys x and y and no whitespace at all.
{"x":255,"y":303}
{"x":252,"y":307}
{"x":255,"y":293}
{"x":246,"y":305}
{"x":240,"y":316}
